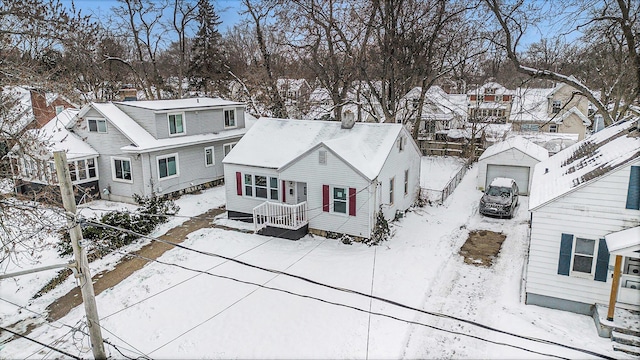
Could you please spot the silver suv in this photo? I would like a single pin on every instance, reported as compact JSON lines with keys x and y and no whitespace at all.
{"x":500,"y":198}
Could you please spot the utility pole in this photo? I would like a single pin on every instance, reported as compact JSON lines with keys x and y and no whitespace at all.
{"x":82,"y":265}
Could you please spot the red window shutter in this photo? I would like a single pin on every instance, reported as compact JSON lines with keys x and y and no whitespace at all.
{"x":352,"y":201}
{"x":325,"y":198}
{"x":239,"y":183}
{"x":284,"y":193}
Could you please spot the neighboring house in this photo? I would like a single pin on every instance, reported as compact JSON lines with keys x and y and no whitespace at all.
{"x":555,"y":110}
{"x":513,"y":158}
{"x":293,"y":91}
{"x":30,"y":108}
{"x":159,"y":147}
{"x":325,"y":176}
{"x":490,"y":103}
{"x":439,"y":112}
{"x":585,"y":203}
{"x":34,"y":167}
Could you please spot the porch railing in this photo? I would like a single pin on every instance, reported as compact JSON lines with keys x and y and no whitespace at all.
{"x":279,"y":215}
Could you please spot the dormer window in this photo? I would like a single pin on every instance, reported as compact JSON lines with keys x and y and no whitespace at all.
{"x":97,"y":125}
{"x":176,"y":124}
{"x":230,"y":118}
{"x":59,"y":109}
{"x":556,"y":106}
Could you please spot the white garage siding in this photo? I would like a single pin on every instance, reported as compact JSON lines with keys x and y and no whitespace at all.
{"x":519,"y":173}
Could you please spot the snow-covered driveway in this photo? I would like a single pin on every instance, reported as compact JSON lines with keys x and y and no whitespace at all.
{"x":164,"y":311}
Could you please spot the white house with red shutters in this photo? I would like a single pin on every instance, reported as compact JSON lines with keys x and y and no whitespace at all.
{"x":291,"y":177}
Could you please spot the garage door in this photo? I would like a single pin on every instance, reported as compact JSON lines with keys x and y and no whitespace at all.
{"x":518,"y":173}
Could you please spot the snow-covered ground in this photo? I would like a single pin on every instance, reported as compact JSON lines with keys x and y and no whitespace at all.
{"x":436,"y":171}
{"x":163,"y":311}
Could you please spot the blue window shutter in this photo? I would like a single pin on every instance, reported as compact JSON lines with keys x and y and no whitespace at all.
{"x":633,"y":193}
{"x":602,"y":263}
{"x":564,"y":262}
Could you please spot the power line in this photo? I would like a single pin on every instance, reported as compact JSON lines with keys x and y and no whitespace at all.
{"x":333,"y":303}
{"x":72,"y":328}
{"x":40,"y":343}
{"x":235,"y":302}
{"x":179,"y":283}
{"x":381,"y":299}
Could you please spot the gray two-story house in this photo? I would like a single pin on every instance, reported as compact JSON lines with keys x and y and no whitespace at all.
{"x":159,"y":147}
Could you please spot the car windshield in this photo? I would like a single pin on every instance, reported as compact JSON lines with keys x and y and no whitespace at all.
{"x":498,"y":191}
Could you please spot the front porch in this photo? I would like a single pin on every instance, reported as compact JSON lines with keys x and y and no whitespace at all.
{"x":289,"y":221}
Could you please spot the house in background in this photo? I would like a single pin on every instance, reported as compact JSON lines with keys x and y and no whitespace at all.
{"x":159,"y":147}
{"x":31,"y":107}
{"x":293,"y":176}
{"x":34,"y":168}
{"x":293,"y":91}
{"x":585,"y":201}
{"x":440,"y":112}
{"x":554,"y":110}
{"x":489,"y":103}
{"x":513,"y":158}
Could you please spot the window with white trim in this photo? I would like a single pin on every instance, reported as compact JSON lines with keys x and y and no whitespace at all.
{"x":406,"y":182}
{"x":121,"y":169}
{"x":59,"y":109}
{"x":392,"y":182}
{"x":209,"y":159}
{"x":582,"y":259}
{"x":553,"y":128}
{"x":556,"y":105}
{"x":97,"y":125}
{"x":339,"y":200}
{"x":226,"y":148}
{"x":167,"y":166}
{"x":84,"y":169}
{"x":322,"y":157}
{"x":176,"y":124}
{"x":530,"y":127}
{"x":261,"y":186}
{"x":230,"y":118}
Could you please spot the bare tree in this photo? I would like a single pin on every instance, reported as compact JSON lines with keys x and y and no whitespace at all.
{"x":140,"y":22}
{"x":618,"y":16}
{"x":259,"y":11}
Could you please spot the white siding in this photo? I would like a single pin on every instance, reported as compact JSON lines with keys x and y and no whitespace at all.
{"x":512,"y":157}
{"x":334,"y":173}
{"x":592,"y":212}
{"x":107,"y":145}
{"x":395,"y":165}
{"x":238,"y":203}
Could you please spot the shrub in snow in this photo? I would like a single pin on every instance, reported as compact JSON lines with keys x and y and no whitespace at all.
{"x":153,"y":211}
{"x":381,"y":231}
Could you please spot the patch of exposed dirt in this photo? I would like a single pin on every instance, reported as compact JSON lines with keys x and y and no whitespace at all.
{"x":482,"y":247}
{"x":128,"y":265}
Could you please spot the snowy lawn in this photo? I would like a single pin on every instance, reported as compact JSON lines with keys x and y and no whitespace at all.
{"x":163,"y":311}
{"x":436,"y":171}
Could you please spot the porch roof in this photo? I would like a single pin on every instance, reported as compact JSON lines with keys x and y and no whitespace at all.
{"x":625,"y":242}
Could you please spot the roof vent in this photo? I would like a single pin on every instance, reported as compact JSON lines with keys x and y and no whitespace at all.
{"x":348,"y":119}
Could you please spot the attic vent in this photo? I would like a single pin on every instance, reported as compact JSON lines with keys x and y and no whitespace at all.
{"x":322,"y":157}
{"x":401,"y":143}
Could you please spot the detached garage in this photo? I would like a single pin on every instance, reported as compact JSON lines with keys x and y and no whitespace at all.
{"x":513,"y":158}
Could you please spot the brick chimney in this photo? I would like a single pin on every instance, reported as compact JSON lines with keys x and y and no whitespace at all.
{"x":41,"y":111}
{"x":128,"y":94}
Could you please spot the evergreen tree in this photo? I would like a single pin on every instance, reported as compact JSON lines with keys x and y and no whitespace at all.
{"x":207,"y":64}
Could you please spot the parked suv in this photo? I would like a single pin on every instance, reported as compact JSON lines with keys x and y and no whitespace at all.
{"x":500,"y":198}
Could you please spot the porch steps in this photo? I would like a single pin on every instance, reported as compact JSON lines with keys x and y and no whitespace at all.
{"x":631,"y":350}
{"x":625,"y":339}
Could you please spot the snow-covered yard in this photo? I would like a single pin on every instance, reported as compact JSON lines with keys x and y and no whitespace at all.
{"x":164,"y":311}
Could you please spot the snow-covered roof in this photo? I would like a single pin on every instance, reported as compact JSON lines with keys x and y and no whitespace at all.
{"x":290,"y":84}
{"x":586,"y":161}
{"x":180,"y":104}
{"x":142,"y":141}
{"x":623,"y":241}
{"x":575,"y":111}
{"x":274,"y":143}
{"x":523,"y":145}
{"x":553,"y":142}
{"x":55,"y":136}
{"x":20,"y":113}
{"x":530,"y":104}
{"x":499,"y":89}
